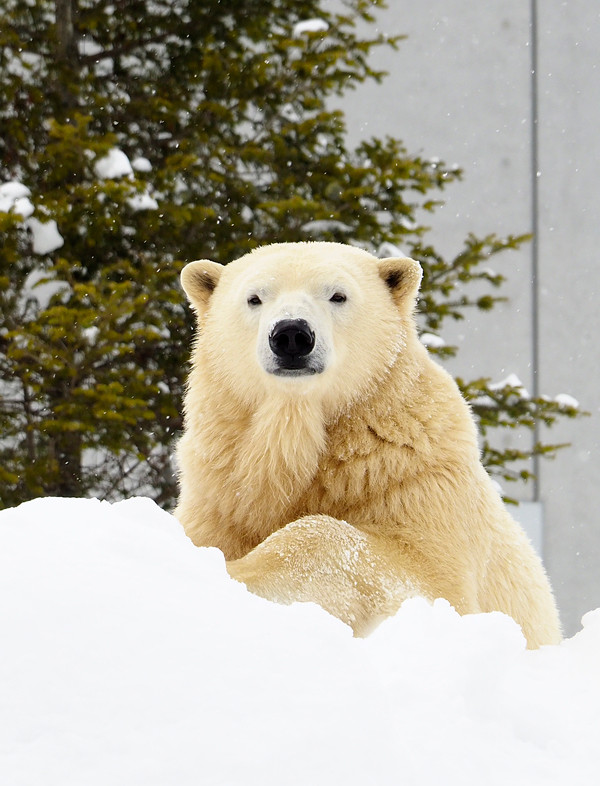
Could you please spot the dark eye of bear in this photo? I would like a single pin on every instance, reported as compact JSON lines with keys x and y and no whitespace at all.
{"x":254,"y":300}
{"x":338,"y":297}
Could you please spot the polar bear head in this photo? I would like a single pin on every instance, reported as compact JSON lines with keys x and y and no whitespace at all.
{"x":319,"y":319}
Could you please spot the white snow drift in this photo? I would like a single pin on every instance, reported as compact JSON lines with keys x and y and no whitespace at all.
{"x":128,"y":656}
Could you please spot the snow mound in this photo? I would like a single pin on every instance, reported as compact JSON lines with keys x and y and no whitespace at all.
{"x":15,"y":196}
{"x":10,"y":192}
{"x":113,"y":165}
{"x":309,"y":26}
{"x":142,"y":202}
{"x":45,"y":235}
{"x":512,"y":381}
{"x":141,"y":164}
{"x":566,"y":400}
{"x":129,"y":656}
{"x":433,"y":341}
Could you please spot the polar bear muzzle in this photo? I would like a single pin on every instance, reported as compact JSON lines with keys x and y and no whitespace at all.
{"x":292,"y":342}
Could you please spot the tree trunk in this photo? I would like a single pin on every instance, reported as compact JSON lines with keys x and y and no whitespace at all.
{"x":66,"y":45}
{"x":67,"y":55}
{"x":67,"y":450}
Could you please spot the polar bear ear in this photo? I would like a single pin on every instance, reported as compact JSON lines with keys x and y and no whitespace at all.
{"x":199,"y":280}
{"x":402,"y":276}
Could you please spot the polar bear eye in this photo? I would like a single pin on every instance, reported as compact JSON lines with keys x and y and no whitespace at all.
{"x":254,"y":300}
{"x":338,"y":297}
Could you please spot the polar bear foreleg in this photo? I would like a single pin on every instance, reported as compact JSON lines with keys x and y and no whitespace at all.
{"x":353,"y":575}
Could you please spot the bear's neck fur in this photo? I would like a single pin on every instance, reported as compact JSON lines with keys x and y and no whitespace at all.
{"x":256,"y":469}
{"x":275,"y":459}
{"x":248,"y":465}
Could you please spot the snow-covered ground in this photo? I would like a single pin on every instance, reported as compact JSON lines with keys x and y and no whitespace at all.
{"x":128,"y":656}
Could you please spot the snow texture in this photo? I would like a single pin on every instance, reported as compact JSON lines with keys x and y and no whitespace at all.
{"x":565,"y":400}
{"x":325,"y":225}
{"x":309,"y":26}
{"x":128,"y":656}
{"x":46,"y":237}
{"x":113,"y":165}
{"x":23,"y":207}
{"x":142,"y":202}
{"x":141,"y":164}
{"x":387,"y":249}
{"x":433,"y":341}
{"x":42,"y":288}
{"x":513,"y":381}
{"x":13,"y":196}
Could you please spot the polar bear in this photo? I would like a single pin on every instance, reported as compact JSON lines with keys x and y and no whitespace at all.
{"x":329,"y":457}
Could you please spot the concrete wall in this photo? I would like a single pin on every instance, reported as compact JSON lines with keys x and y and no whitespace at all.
{"x":461,"y":88}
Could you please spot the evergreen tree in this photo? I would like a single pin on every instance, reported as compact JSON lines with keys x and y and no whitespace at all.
{"x":136,"y":136}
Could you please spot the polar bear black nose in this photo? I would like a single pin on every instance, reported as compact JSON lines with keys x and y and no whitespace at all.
{"x":292,"y":339}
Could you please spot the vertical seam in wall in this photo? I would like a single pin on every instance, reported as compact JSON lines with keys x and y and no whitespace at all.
{"x":535,"y":230}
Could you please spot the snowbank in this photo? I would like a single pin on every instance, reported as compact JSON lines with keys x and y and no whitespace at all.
{"x":128,"y":656}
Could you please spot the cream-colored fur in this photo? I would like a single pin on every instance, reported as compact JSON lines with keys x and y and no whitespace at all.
{"x":359,"y":485}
